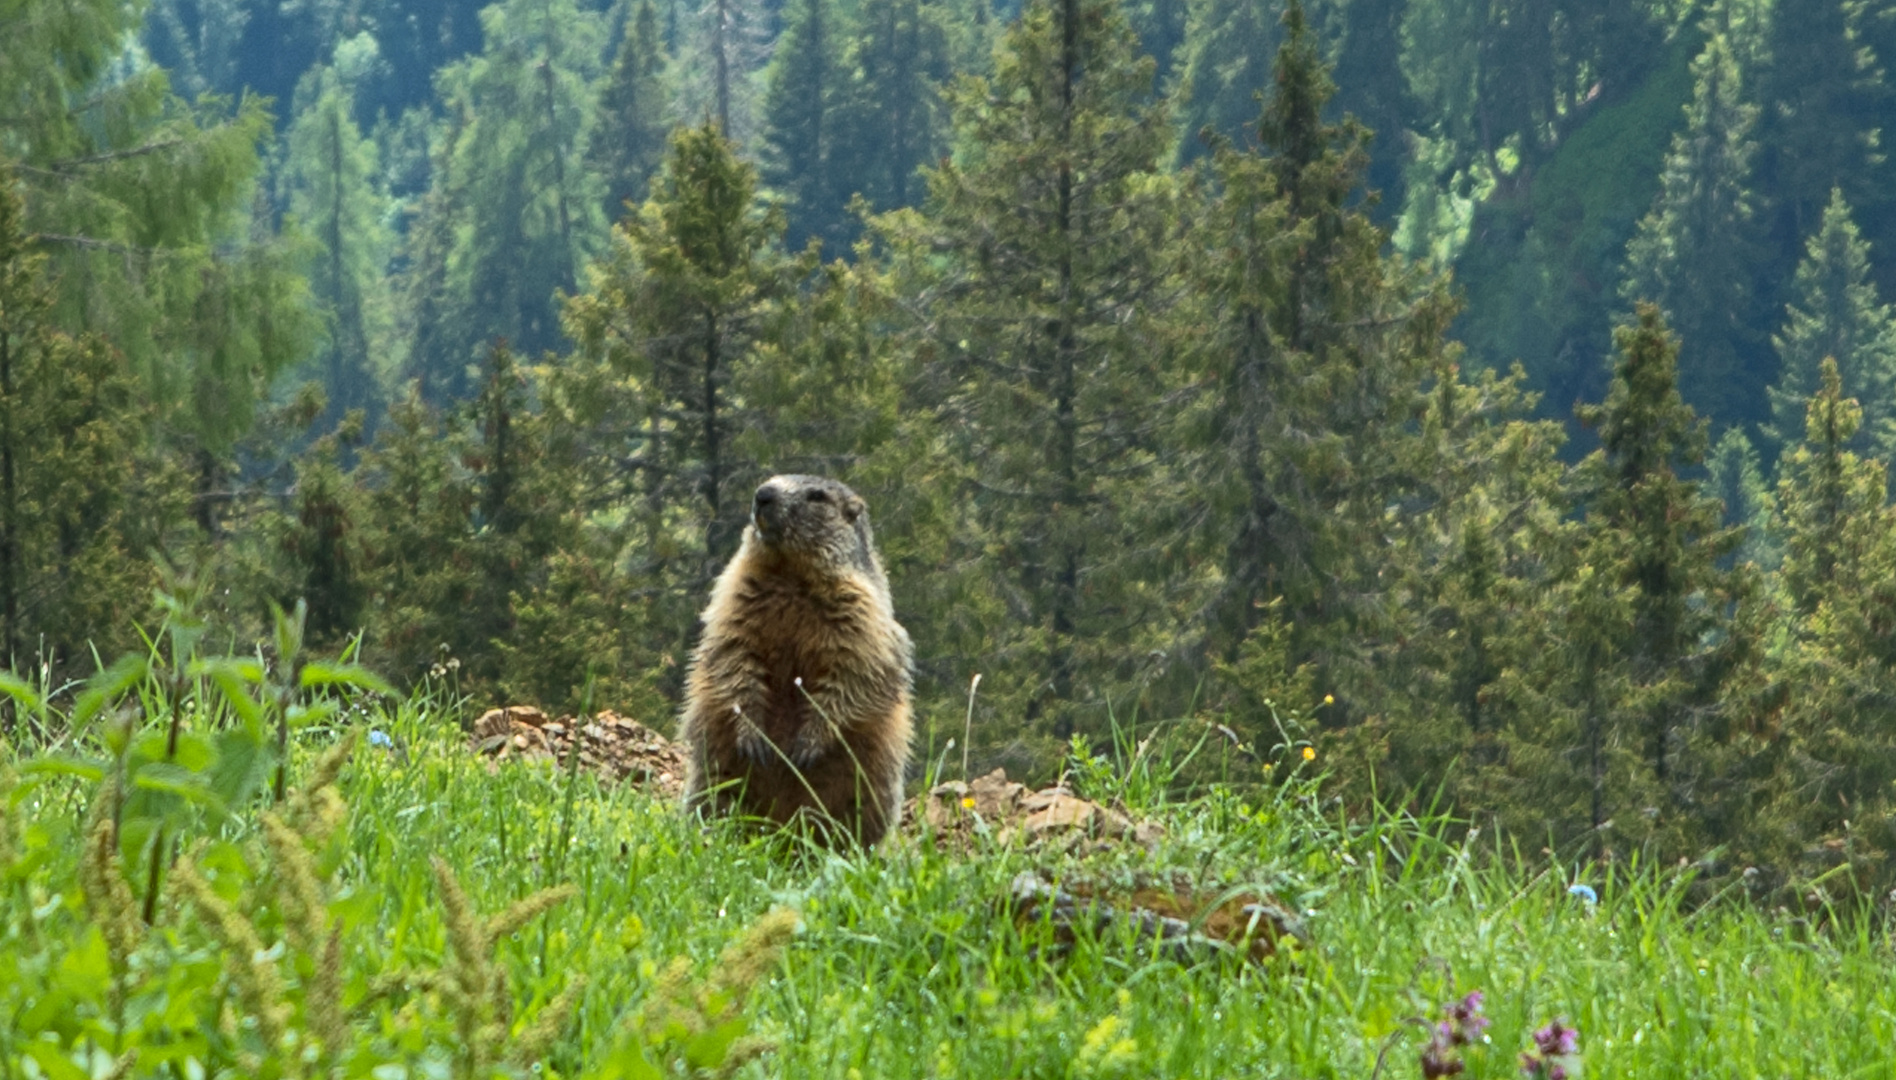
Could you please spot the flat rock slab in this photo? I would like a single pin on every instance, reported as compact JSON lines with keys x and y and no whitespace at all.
{"x":615,"y":747}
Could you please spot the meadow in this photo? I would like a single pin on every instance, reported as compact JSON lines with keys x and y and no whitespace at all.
{"x":407,"y":909}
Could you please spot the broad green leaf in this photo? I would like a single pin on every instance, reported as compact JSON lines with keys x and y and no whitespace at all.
{"x":302,"y":716}
{"x":86,"y":769}
{"x":53,"y":1062}
{"x":20,"y":691}
{"x":182,"y":782}
{"x":195,"y":752}
{"x":107,"y":686}
{"x":243,"y":761}
{"x":318,"y":674}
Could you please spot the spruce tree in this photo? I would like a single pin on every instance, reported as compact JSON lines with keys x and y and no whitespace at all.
{"x":1824,"y":99}
{"x":1051,"y":223}
{"x":1661,"y":635}
{"x":330,"y":187}
{"x":1694,"y":252}
{"x":1224,"y":64}
{"x":683,"y":304}
{"x":1832,"y":747}
{"x":146,"y":204}
{"x":521,"y":215}
{"x":1836,"y":315}
{"x":1735,"y":477}
{"x":628,"y":142}
{"x":894,"y":121}
{"x":801,"y":117}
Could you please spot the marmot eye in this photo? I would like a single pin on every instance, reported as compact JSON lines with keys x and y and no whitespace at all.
{"x":819,"y":495}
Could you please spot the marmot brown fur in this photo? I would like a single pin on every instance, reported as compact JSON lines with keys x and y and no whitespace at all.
{"x":797,"y":703}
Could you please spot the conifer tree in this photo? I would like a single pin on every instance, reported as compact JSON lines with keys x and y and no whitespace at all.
{"x":329,"y":186}
{"x":1693,"y":254}
{"x":1655,"y":606}
{"x":1834,"y":751}
{"x":1735,"y":477}
{"x":894,"y":120}
{"x":724,"y":43}
{"x":1823,"y":98}
{"x":678,"y":310}
{"x":84,"y":502}
{"x":146,"y":205}
{"x":1224,"y":64}
{"x":628,"y":142}
{"x":1836,"y":315}
{"x":1325,"y":347}
{"x":1051,"y":223}
{"x":801,"y":117}
{"x":521,"y":212}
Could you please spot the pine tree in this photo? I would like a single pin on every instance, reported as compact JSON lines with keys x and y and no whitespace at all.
{"x":1735,"y":477}
{"x":329,"y":187}
{"x":724,"y":43}
{"x":1836,"y":315}
{"x":146,"y":205}
{"x":1833,"y":750}
{"x":1325,"y":347}
{"x":1693,"y":254}
{"x":1051,"y":224}
{"x":628,"y":142}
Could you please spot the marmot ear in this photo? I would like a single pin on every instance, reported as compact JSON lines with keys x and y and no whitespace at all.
{"x":853,"y":507}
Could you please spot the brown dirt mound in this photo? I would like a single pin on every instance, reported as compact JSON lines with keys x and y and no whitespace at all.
{"x":614,"y":746}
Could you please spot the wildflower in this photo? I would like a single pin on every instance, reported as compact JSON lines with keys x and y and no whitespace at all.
{"x":1310,"y":753}
{"x":1584,"y":892}
{"x":1329,"y":699}
{"x":967,"y":802}
{"x":378,"y":737}
{"x":1461,"y":1025}
{"x":1555,"y":1048}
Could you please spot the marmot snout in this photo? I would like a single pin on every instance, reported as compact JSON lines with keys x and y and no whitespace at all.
{"x":797,"y":703}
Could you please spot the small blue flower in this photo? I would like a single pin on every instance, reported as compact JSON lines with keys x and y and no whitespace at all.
{"x":1584,"y":892}
{"x":378,"y":737}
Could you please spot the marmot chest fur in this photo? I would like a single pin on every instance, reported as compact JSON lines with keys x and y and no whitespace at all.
{"x":797,"y":703}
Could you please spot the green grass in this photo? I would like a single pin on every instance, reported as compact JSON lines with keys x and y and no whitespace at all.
{"x":904,"y":966}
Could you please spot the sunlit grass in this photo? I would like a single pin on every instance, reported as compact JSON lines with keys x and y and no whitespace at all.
{"x":906,"y":965}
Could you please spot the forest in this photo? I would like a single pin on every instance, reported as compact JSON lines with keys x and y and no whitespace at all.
{"x":1494,"y":396}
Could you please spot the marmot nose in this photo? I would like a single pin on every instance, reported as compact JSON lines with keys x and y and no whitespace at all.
{"x":765,"y":496}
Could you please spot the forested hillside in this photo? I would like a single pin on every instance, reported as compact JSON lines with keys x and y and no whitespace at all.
{"x":1497,"y":395}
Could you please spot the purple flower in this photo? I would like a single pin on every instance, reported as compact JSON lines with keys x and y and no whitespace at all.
{"x":1461,"y":1024}
{"x":1556,"y":1039}
{"x":1437,"y":1061}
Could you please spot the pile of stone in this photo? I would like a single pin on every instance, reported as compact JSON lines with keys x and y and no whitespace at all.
{"x":615,"y":747}
{"x":1008,"y":811}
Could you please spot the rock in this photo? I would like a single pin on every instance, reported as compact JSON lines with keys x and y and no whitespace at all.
{"x":954,"y":810}
{"x":616,"y":747}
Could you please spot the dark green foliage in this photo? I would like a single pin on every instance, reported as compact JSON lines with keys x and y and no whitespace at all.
{"x":1051,"y":223}
{"x":629,"y":142}
{"x":1835,"y":315}
{"x":1694,"y":252}
{"x":85,"y":502}
{"x":1655,"y":630}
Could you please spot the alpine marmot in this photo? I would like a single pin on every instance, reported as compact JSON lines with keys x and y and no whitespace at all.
{"x":797,"y":703}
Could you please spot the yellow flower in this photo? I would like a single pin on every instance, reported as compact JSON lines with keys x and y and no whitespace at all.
{"x":1329,"y":699}
{"x":967,"y":803}
{"x":1310,"y":753}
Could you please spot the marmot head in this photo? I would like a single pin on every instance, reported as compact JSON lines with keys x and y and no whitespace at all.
{"x":812,"y":517}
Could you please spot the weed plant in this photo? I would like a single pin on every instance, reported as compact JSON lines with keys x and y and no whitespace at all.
{"x":406,"y":909}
